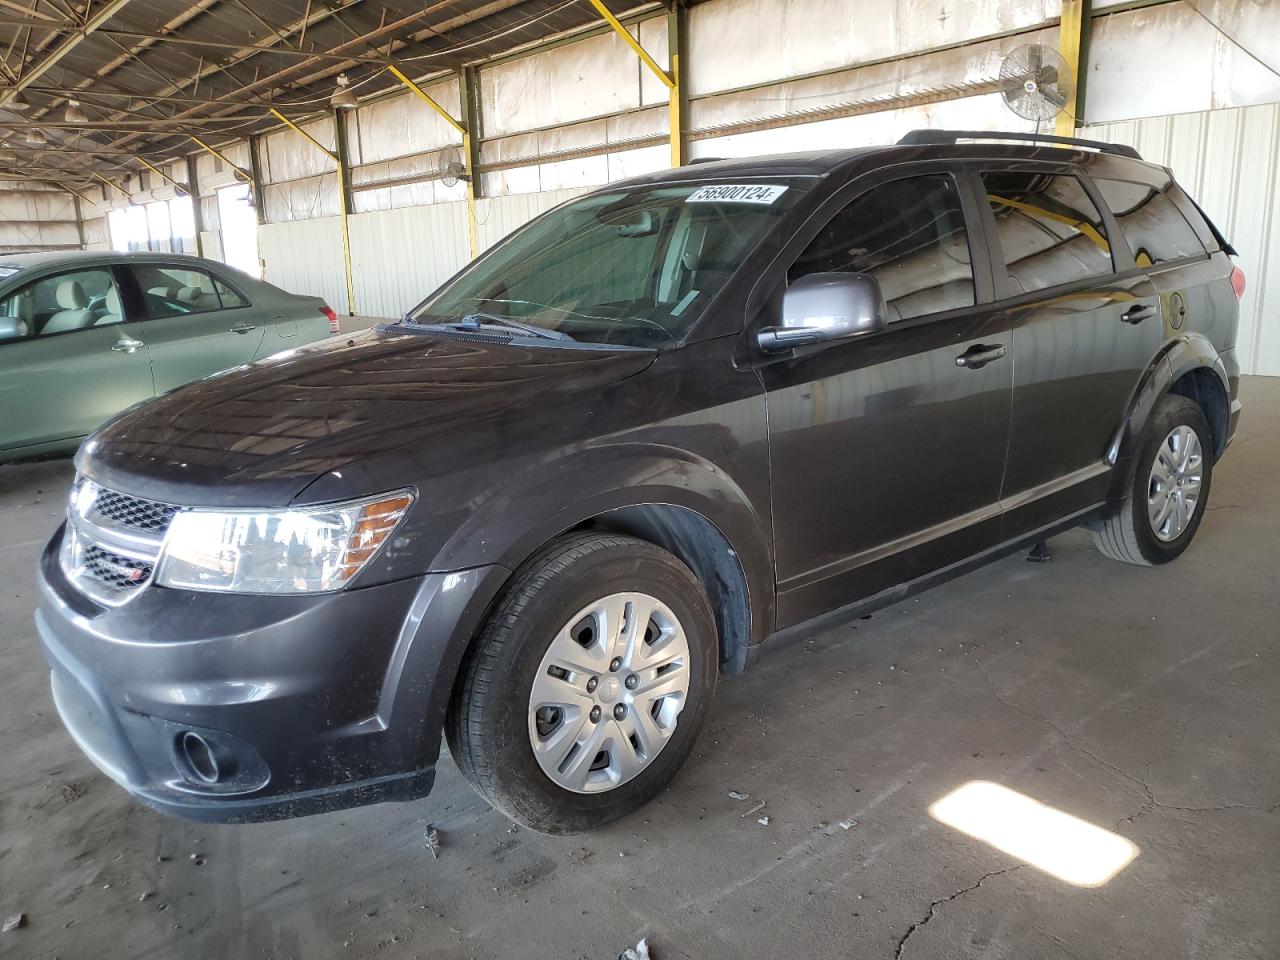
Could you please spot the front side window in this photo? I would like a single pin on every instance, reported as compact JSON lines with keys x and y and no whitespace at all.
{"x":60,"y":304}
{"x":177,"y":291}
{"x":634,"y":267}
{"x":910,"y":235}
{"x":1151,"y":222}
{"x":1050,"y":231}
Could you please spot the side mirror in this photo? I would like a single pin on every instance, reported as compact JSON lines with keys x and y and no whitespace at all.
{"x":827,"y":306}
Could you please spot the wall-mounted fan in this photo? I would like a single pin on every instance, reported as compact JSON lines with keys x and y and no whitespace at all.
{"x":450,"y":168}
{"x":1036,"y":82}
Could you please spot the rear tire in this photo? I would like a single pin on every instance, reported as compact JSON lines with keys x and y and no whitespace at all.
{"x":520,"y":726}
{"x":1160,"y":516}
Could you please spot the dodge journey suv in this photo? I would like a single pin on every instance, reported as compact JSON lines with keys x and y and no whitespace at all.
{"x":661,"y":426}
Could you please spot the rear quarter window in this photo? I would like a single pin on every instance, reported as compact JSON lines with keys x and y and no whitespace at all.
{"x":1151,"y":222}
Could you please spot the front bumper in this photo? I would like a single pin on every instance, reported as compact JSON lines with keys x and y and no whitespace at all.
{"x":307,"y":704}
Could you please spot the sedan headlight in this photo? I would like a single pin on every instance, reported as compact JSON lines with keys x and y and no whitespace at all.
{"x":305,"y":550}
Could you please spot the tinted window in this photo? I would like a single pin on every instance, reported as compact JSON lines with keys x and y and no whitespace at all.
{"x":176,"y":291}
{"x":631,"y":266}
{"x":1151,"y":222}
{"x":1050,"y":231}
{"x":909,"y":235}
{"x":61,"y":303}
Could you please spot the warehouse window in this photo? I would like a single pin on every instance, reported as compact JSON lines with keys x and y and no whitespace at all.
{"x":909,"y":235}
{"x":1151,"y":222}
{"x":1049,"y":229}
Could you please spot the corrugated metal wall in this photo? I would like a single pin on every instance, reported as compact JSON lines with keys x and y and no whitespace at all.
{"x":399,"y":256}
{"x":305,"y":256}
{"x":1229,"y":160}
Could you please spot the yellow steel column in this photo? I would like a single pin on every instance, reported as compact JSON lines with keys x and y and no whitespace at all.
{"x":1071,"y":30}
{"x":467,"y":143}
{"x":672,"y":80}
{"x":342,"y":202}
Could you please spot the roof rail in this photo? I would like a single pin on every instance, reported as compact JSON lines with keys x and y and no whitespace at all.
{"x":951,"y":136}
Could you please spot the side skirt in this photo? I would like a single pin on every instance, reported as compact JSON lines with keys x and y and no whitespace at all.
{"x":796,"y":633}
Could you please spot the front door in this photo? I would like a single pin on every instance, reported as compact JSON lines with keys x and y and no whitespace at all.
{"x":887,"y":452}
{"x":1082,"y":338}
{"x":74,"y":362}
{"x":198,"y":324}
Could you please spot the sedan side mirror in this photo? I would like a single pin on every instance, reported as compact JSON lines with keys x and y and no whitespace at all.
{"x":11,"y":328}
{"x":827,"y":306}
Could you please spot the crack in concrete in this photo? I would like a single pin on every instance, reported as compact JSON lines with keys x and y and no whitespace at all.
{"x":902,"y":943}
{"x":1149,"y":802}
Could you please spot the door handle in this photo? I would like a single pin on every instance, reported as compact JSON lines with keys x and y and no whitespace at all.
{"x":127,"y":345}
{"x":241,"y":326}
{"x":1138,"y":313}
{"x":979,"y":355}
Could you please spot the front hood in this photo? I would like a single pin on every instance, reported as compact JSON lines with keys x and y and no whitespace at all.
{"x":259,"y":434}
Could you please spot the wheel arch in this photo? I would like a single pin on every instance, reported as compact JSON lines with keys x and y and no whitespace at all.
{"x":1188,"y":365}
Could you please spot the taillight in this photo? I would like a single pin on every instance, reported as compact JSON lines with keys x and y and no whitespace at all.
{"x":333,"y":319}
{"x":1237,"y":282}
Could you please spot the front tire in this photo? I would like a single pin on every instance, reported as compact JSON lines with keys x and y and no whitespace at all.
{"x":588,"y":684}
{"x":1168,"y":488}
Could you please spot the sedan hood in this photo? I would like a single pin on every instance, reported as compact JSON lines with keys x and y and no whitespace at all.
{"x":260,"y":434}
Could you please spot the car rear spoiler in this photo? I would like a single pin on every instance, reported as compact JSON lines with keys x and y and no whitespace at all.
{"x":951,"y":136}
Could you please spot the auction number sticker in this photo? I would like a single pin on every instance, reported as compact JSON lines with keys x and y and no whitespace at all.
{"x":737,"y":193}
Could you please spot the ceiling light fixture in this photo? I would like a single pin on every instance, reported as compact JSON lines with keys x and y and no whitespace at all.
{"x":18,"y":102}
{"x":344,"y":98}
{"x":75,"y":113}
{"x":36,"y":138}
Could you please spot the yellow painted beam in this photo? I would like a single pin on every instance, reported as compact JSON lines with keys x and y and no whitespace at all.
{"x":154,"y":169}
{"x":425,"y":97}
{"x":342,"y":202}
{"x":248,"y":177}
{"x":1070,"y":30}
{"x":74,"y":192}
{"x":117,"y":186}
{"x":302,"y":133}
{"x":675,"y":93}
{"x":633,"y":43}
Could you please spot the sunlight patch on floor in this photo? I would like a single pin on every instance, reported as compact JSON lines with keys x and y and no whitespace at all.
{"x":1063,"y":846}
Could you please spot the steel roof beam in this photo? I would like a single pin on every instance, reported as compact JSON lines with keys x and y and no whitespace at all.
{"x":51,"y":60}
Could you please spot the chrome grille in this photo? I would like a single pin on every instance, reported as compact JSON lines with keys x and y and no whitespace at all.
{"x":133,"y":512}
{"x":113,"y":541}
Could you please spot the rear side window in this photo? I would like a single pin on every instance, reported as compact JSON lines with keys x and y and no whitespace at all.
{"x":177,"y":291}
{"x":1151,"y":222}
{"x":910,"y":235}
{"x":1050,"y":231}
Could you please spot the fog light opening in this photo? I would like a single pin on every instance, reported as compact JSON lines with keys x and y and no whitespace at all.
{"x":200,"y":758}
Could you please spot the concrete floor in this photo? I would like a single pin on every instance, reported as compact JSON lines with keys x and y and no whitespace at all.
{"x":1143,"y":701}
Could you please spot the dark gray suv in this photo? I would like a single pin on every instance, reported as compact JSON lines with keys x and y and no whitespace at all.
{"x":658,"y":427}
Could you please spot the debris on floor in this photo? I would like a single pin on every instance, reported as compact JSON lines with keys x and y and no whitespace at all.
{"x":764,"y":821}
{"x":639,"y":952}
{"x":735,"y":795}
{"x":848,"y":824}
{"x":20,"y":920}
{"x":755,"y":808}
{"x":432,"y":841}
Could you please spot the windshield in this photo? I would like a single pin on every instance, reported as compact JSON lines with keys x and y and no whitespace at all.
{"x":632,"y":267}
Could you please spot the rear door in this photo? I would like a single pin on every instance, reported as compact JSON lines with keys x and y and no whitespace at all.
{"x":80,"y":358}
{"x":1082,"y":336}
{"x":199,"y":323}
{"x":887,"y":451}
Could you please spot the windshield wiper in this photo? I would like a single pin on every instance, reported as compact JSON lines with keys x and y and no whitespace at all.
{"x":474,"y":321}
{"x":478,"y":321}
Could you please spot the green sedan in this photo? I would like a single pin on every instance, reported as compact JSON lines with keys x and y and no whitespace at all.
{"x":85,"y":335}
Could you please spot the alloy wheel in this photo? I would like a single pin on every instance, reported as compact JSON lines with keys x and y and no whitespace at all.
{"x":1173,"y":489}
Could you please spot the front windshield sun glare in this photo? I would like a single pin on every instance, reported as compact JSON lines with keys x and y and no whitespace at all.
{"x":631,"y":267}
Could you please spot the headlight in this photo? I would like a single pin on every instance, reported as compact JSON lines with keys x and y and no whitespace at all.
{"x":307,"y":550}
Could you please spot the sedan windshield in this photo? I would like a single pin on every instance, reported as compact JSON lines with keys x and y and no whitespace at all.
{"x":632,"y":267}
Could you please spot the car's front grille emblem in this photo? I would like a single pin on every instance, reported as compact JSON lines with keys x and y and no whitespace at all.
{"x":113,"y":541}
